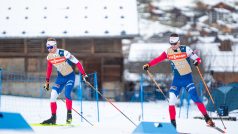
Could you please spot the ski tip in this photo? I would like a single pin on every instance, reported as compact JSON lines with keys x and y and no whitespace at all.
{"x":224,"y":131}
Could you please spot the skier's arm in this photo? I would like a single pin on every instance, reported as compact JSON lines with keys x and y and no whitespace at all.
{"x":80,"y":67}
{"x":48,"y":74}
{"x":159,"y":59}
{"x":48,"y":71}
{"x":196,"y":60}
{"x":69,"y":56}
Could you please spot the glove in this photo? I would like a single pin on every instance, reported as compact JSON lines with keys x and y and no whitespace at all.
{"x":47,"y":86}
{"x":85,"y":78}
{"x":146,"y":67}
{"x":197,"y":61}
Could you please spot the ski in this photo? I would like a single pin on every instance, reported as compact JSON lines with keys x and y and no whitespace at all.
{"x":52,"y":125}
{"x":215,"y":127}
{"x":182,"y":133}
{"x":218,"y":129}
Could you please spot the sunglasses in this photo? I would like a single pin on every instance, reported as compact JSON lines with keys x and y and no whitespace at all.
{"x":173,"y":44}
{"x":50,"y":47}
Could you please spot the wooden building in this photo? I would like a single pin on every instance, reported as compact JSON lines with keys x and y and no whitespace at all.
{"x":91,"y":30}
{"x":103,"y":56}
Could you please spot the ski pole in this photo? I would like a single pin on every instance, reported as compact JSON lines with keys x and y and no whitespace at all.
{"x":213,"y":102}
{"x":109,"y":101}
{"x":75,"y":111}
{"x":79,"y":114}
{"x":152,"y":78}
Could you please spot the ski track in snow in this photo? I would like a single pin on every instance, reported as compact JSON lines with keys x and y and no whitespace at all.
{"x":35,"y":110}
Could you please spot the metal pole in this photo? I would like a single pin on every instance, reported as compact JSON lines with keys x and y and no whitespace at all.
{"x":181,"y":101}
{"x":0,"y":90}
{"x":201,"y":90}
{"x":210,"y":95}
{"x":80,"y":90}
{"x":96,"y":86}
{"x":188,"y":101}
{"x":142,"y":97}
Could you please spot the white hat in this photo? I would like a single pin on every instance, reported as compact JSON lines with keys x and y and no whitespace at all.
{"x":173,"y":40}
{"x":51,"y":43}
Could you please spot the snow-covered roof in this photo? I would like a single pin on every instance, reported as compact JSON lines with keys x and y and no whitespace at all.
{"x":158,"y":11}
{"x":207,"y":39}
{"x":203,"y":18}
{"x":148,"y":28}
{"x":225,"y":37}
{"x":214,"y":2}
{"x":232,"y":26}
{"x":186,"y":26}
{"x":170,"y":4}
{"x":128,"y":76}
{"x":222,"y":10}
{"x":68,"y":18}
{"x":189,"y":14}
{"x":235,"y":16}
{"x":219,"y":61}
{"x":235,"y":39}
{"x":146,"y":51}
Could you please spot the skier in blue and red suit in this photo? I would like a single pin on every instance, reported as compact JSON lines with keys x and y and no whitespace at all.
{"x":179,"y":57}
{"x":62,"y":60}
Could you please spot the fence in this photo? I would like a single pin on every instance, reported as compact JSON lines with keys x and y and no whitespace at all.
{"x":19,"y":92}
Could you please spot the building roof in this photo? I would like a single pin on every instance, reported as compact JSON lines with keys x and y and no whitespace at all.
{"x":68,"y":18}
{"x":143,"y":52}
{"x":214,"y":59}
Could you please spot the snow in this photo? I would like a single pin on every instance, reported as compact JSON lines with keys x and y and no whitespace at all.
{"x":226,"y":37}
{"x":35,"y":110}
{"x":203,"y":18}
{"x":216,"y":60}
{"x":146,"y":51}
{"x":214,"y":2}
{"x":148,"y":28}
{"x":131,"y":76}
{"x":222,"y":10}
{"x":166,"y":4}
{"x":207,"y":40}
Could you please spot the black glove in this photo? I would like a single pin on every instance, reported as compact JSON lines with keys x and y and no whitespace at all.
{"x":146,"y":67}
{"x":47,"y":86}
{"x":85,"y":78}
{"x":197,"y":61}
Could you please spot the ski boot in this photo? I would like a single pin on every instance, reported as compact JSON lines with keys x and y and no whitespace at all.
{"x":50,"y":121}
{"x":69,"y":117}
{"x":209,"y":121}
{"x":173,"y":122}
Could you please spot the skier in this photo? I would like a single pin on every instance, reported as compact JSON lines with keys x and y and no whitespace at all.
{"x":179,"y":57}
{"x":62,"y":60}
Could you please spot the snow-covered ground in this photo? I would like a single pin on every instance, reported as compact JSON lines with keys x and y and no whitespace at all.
{"x":111,"y":121}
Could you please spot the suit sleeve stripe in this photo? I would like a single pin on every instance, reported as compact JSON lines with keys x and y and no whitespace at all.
{"x":159,"y":59}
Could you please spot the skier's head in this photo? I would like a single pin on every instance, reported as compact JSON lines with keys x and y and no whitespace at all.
{"x":174,"y":41}
{"x":51,"y":45}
